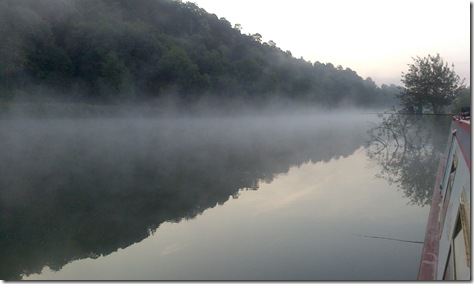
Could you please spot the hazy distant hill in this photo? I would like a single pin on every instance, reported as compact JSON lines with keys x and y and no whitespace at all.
{"x":121,"y":50}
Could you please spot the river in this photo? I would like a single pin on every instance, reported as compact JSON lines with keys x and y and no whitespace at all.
{"x":302,"y":196}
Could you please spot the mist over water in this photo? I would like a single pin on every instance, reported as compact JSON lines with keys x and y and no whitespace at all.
{"x":114,"y":148}
{"x":80,"y":188}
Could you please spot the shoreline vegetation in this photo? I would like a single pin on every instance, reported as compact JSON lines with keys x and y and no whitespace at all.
{"x":80,"y":58}
{"x":114,"y":52}
{"x":71,"y":110}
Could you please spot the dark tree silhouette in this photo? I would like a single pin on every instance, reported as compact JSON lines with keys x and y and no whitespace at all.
{"x":429,"y":83}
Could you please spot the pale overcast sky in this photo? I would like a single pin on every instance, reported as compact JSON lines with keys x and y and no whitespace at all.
{"x":375,"y":38}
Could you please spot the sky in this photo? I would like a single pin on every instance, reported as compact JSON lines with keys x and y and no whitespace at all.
{"x":375,"y":38}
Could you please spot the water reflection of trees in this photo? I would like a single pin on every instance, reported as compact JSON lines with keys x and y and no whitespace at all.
{"x":82,"y":189}
{"x":407,"y":148}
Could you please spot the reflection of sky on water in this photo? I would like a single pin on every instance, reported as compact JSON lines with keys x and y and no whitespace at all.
{"x":304,"y":225}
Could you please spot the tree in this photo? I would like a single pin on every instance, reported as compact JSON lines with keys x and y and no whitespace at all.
{"x":238,"y":27}
{"x":177,"y":69}
{"x":271,"y":43}
{"x":114,"y":73}
{"x":429,"y":83}
{"x":463,"y":99}
{"x":257,"y":37}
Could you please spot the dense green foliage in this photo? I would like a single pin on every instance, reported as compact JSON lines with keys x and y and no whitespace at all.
{"x":429,"y":84}
{"x":463,"y":99}
{"x":120,"y":50}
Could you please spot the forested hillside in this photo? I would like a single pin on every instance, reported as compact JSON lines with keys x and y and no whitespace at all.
{"x":111,"y":51}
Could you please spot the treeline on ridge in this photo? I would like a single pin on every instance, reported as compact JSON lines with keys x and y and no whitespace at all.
{"x":121,"y":51}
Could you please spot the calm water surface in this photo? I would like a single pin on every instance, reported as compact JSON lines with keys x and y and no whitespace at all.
{"x":293,"y":197}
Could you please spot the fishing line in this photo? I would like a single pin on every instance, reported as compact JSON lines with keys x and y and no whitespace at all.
{"x":391,"y":239}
